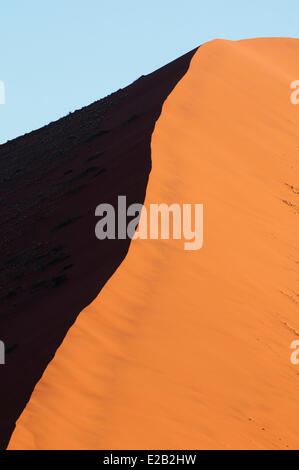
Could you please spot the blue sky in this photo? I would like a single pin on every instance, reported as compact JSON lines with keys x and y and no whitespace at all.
{"x":60,"y":55}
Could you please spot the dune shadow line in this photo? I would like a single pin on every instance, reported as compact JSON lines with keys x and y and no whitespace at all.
{"x":53,"y":265}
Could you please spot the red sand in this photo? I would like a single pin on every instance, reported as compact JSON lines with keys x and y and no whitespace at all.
{"x":191,"y":350}
{"x":53,"y":266}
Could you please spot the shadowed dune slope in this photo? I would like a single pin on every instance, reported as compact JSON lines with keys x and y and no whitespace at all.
{"x":191,"y":349}
{"x":51,"y":182}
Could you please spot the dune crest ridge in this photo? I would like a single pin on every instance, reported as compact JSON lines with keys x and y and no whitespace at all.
{"x":191,"y":350}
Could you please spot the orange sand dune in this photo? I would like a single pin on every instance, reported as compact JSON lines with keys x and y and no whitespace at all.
{"x":191,"y":349}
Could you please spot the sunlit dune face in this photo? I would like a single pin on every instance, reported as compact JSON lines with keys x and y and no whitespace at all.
{"x":191,"y":349}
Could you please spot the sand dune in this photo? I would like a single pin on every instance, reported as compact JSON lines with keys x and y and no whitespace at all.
{"x":191,"y":350}
{"x":51,"y":180}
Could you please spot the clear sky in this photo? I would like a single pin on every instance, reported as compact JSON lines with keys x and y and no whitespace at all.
{"x":60,"y":55}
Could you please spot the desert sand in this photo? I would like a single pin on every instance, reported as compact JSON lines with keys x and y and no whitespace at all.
{"x":51,"y":180}
{"x":191,"y":349}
